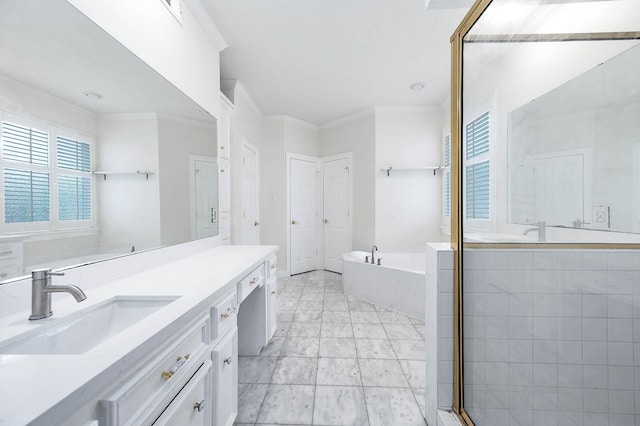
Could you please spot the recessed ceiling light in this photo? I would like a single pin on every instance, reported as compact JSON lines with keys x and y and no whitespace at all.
{"x":92,"y":95}
{"x":418,"y":85}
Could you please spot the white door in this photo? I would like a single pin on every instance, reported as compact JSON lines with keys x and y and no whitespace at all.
{"x":559,"y":190}
{"x":205,"y":174}
{"x":303,"y":216}
{"x":250,"y":212}
{"x":336,"y":198}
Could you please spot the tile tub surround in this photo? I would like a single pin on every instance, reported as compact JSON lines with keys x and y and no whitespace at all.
{"x":339,"y":361}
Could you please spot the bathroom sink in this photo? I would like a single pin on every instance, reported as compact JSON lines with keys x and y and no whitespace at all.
{"x":86,"y":329}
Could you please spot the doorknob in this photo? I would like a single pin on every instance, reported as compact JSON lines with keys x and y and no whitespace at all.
{"x":325,"y":221}
{"x":293,"y":222}
{"x":256,"y":223}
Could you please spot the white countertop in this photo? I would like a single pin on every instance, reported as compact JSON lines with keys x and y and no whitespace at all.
{"x":30,"y":385}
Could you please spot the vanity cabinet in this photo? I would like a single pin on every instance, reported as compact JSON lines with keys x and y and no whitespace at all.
{"x":144,"y":397}
{"x":272,"y":296}
{"x":225,"y":379}
{"x":224,"y":168}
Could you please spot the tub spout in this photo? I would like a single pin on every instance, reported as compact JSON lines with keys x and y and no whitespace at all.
{"x":373,"y":250}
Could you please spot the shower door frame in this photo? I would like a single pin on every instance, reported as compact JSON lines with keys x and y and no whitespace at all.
{"x":457,"y":182}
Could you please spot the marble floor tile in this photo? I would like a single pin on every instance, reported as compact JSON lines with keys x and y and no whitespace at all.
{"x":409,"y":349}
{"x":274,"y":347}
{"x":359,"y":317}
{"x":250,"y":397}
{"x":335,"y":329}
{"x":309,"y":305}
{"x":421,"y":398}
{"x":389,"y":406}
{"x":254,"y":369}
{"x":282,"y":329}
{"x":301,"y":346}
{"x":305,"y":329}
{"x":336,"y":316}
{"x":369,"y":331}
{"x":402,"y":331}
{"x":375,"y":348}
{"x":421,"y":330}
{"x":339,"y":405}
{"x":383,"y":373}
{"x":331,"y":347}
{"x":291,"y":404}
{"x":416,"y":321}
{"x":330,"y":298}
{"x":287,"y":304}
{"x":361,"y":306}
{"x":295,"y":371}
{"x":393,"y":318}
{"x":286,"y":316}
{"x":308,"y":316}
{"x":335,"y":305}
{"x":332,"y":290}
{"x":415,"y":372}
{"x":338,"y":371}
{"x":312,"y":296}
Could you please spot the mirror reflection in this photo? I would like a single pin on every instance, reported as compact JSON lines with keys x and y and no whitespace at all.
{"x":101,"y":156}
{"x":574,"y":152}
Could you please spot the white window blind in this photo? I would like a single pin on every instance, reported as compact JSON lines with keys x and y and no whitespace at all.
{"x":477,"y":168}
{"x":34,"y":185}
{"x":447,"y":176}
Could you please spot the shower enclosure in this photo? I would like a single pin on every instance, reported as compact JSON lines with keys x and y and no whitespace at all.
{"x":546,"y":212}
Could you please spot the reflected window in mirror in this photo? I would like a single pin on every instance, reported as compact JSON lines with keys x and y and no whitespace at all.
{"x":47,"y":181}
{"x":477,"y":168}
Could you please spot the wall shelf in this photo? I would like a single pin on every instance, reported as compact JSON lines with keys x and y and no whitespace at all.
{"x":137,"y":172}
{"x":389,"y":169}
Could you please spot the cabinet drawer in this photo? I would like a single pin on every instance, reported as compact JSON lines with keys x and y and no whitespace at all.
{"x":225,"y":379}
{"x":224,"y":315}
{"x":144,"y":397}
{"x":192,"y":405}
{"x":272,"y":267}
{"x":252,"y":281}
{"x":9,"y":251}
{"x":10,"y":269}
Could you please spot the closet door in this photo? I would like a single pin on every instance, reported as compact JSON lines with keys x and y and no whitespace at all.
{"x":336,"y":201}
{"x":303,"y":214}
{"x":250,"y":212}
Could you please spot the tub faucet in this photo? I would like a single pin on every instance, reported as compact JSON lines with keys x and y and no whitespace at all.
{"x":373,"y":250}
{"x":41,"y":289}
{"x":541,"y":229}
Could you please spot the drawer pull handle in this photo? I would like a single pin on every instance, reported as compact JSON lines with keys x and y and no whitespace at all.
{"x":253,"y":281}
{"x":4,"y":275}
{"x":6,"y":253}
{"x":229,"y":312}
{"x":199,"y":406}
{"x":180,"y":361}
{"x":224,"y":316}
{"x":227,"y":361}
{"x":273,"y":292}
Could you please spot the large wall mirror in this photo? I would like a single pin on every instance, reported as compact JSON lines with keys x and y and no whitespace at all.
{"x":574,"y":152}
{"x":101,"y":156}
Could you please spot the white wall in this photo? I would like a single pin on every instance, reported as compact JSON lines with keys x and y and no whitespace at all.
{"x":129,"y":204}
{"x":186,"y":53}
{"x":356,"y":134}
{"x":177,"y":139}
{"x":407,"y":203}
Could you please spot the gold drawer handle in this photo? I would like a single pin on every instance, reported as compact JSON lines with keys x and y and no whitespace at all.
{"x":180,"y":361}
{"x":229,"y":312}
{"x":224,"y":316}
{"x":273,"y":292}
{"x":6,"y":253}
{"x":228,"y":361}
{"x":253,"y":281}
{"x":199,"y":406}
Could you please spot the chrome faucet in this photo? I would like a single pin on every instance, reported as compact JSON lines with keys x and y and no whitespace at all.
{"x":373,"y":250}
{"x":41,"y":289}
{"x":541,"y":229}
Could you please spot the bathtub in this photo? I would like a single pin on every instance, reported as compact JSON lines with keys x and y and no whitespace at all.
{"x":398,"y":284}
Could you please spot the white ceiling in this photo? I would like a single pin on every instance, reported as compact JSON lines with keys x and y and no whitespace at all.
{"x":320,"y":60}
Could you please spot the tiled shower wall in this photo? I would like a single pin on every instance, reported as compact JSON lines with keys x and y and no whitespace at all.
{"x":552,"y":337}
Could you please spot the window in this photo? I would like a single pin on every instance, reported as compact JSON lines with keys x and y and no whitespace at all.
{"x":477,"y":168}
{"x":447,"y":176}
{"x":46,"y":187}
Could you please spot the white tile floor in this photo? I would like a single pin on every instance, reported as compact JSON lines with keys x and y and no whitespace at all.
{"x":334,"y":360}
